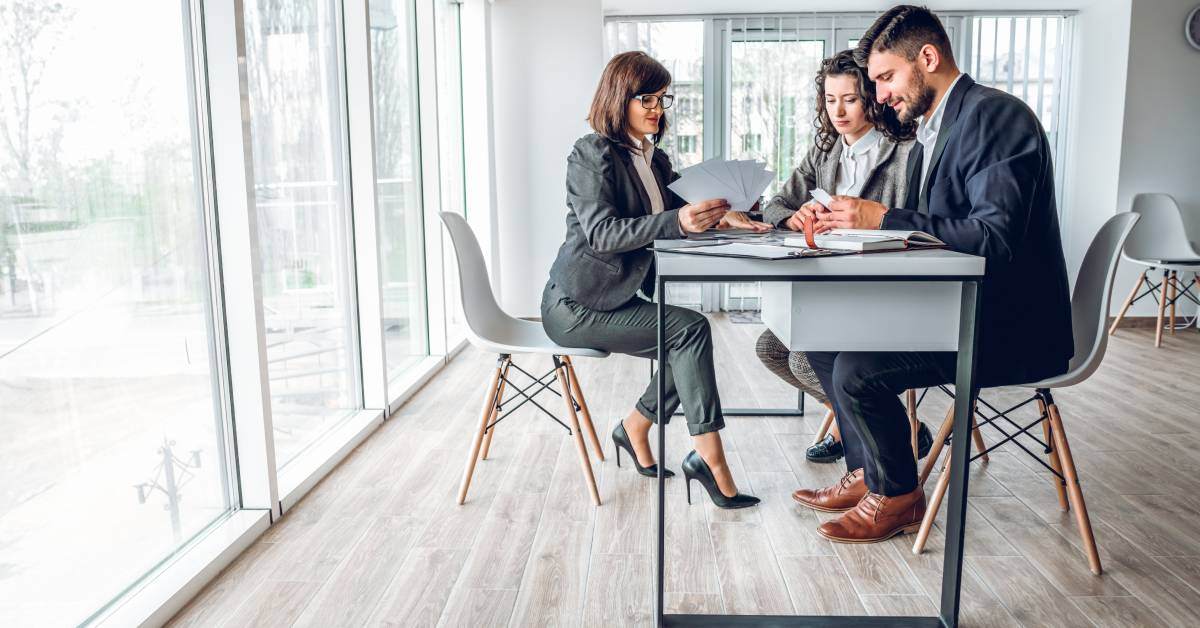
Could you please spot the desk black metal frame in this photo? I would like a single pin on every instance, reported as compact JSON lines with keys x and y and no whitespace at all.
{"x":956,"y":511}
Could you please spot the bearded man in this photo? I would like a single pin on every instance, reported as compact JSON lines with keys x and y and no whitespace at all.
{"x":981,"y":180}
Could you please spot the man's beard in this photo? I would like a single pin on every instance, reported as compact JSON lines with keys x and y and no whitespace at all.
{"x":920,"y":105}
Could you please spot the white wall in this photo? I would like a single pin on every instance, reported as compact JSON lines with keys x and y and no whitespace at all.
{"x":547,"y":58}
{"x":1160,"y":149}
{"x":1094,"y":126}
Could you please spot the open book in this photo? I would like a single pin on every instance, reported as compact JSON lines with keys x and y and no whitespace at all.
{"x":867,"y":240}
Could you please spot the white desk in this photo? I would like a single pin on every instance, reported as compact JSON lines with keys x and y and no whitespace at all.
{"x":902,"y":301}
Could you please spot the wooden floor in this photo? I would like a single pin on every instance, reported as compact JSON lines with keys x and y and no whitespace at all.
{"x":381,"y":542}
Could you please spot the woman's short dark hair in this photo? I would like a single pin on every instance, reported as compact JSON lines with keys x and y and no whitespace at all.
{"x":627,"y":75}
{"x":883,"y":117}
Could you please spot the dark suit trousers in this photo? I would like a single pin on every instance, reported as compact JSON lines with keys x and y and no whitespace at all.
{"x":864,"y":388}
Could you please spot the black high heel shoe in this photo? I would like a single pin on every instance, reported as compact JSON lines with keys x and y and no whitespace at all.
{"x":694,"y":468}
{"x":621,"y":440}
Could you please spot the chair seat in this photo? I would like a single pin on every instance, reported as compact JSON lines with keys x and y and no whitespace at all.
{"x":1191,"y":265}
{"x":514,"y":335}
{"x":1058,"y":381}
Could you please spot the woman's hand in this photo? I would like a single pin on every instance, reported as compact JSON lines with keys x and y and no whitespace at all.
{"x":698,"y":217}
{"x":739,"y":220}
{"x":811,"y":210}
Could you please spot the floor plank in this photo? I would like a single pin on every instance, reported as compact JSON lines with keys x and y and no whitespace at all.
{"x":380,"y":541}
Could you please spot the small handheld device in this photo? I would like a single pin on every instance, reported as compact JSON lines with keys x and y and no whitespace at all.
{"x":822,"y":197}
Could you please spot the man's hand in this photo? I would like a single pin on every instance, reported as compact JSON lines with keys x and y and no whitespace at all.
{"x":739,"y":220}
{"x":697,"y":217}
{"x":811,"y":209}
{"x":848,"y":212}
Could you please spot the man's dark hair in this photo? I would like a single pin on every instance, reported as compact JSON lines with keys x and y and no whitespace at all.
{"x":904,"y":29}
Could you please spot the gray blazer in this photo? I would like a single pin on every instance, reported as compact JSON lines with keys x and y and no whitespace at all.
{"x":887,"y":183}
{"x":605,"y":258}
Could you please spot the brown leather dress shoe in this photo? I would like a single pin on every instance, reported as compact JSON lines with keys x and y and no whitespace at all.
{"x":837,"y":498}
{"x":877,"y":518}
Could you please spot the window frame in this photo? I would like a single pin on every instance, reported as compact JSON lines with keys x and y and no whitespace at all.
{"x":831,"y":28}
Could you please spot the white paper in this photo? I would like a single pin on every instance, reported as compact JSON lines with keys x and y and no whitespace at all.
{"x":740,"y":182}
{"x":822,"y":197}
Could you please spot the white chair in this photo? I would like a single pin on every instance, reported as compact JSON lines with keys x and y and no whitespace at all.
{"x":1089,"y":314}
{"x":494,"y":331}
{"x":1160,"y":242}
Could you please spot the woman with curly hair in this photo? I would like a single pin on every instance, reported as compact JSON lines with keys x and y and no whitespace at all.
{"x":860,"y":149}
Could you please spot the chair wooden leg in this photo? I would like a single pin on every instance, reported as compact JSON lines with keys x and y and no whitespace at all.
{"x":939,"y":441}
{"x":577,"y":433}
{"x":1137,"y":285}
{"x":1162,"y":306}
{"x":910,"y":399}
{"x":1055,"y":462}
{"x":931,"y":510}
{"x":489,"y":407}
{"x":977,"y":436}
{"x":825,"y":424}
{"x":583,"y":407}
{"x":1074,"y":491}
{"x":1174,"y":294}
{"x":487,"y":437}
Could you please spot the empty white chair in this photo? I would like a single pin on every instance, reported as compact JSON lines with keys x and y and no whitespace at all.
{"x":1160,"y":242}
{"x":491,"y":329}
{"x":1089,"y":314}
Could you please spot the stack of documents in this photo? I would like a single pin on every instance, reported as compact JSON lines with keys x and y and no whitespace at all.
{"x":867,"y":240}
{"x":740,"y":182}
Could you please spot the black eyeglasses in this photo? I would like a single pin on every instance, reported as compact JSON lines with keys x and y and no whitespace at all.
{"x":650,"y":101}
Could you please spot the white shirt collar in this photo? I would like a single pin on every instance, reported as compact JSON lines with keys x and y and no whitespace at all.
{"x":863,"y":145}
{"x":932,"y":123}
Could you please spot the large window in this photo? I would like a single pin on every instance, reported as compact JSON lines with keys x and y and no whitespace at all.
{"x":154,"y":241}
{"x":298,"y":128}
{"x":1027,"y":56}
{"x":760,"y":100}
{"x":114,"y":452}
{"x":398,"y":188}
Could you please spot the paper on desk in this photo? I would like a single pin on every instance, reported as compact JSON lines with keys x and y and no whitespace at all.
{"x":741,"y":182}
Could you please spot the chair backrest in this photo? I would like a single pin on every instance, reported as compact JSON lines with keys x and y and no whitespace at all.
{"x":1160,"y":234}
{"x":1091,"y":298}
{"x":485,"y":318}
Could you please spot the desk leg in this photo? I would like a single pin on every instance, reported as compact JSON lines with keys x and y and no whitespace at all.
{"x":660,"y":547}
{"x":960,"y":454}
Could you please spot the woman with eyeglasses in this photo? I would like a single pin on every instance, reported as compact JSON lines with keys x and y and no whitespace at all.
{"x":618,"y":204}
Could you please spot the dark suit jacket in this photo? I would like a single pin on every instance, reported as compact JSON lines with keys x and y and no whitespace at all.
{"x":990,"y":192}
{"x":605,"y":258}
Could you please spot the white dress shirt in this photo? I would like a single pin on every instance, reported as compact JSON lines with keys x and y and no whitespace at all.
{"x":927,"y":131}
{"x":856,"y":163}
{"x":641,"y":163}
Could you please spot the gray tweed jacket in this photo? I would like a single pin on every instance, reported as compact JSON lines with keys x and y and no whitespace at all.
{"x":887,"y":183}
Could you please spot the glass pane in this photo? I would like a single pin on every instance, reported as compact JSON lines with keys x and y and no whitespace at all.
{"x":113,"y":453}
{"x":680,"y":47}
{"x":772,"y":102}
{"x":450,"y":140}
{"x":297,"y":124}
{"x":398,"y":189}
